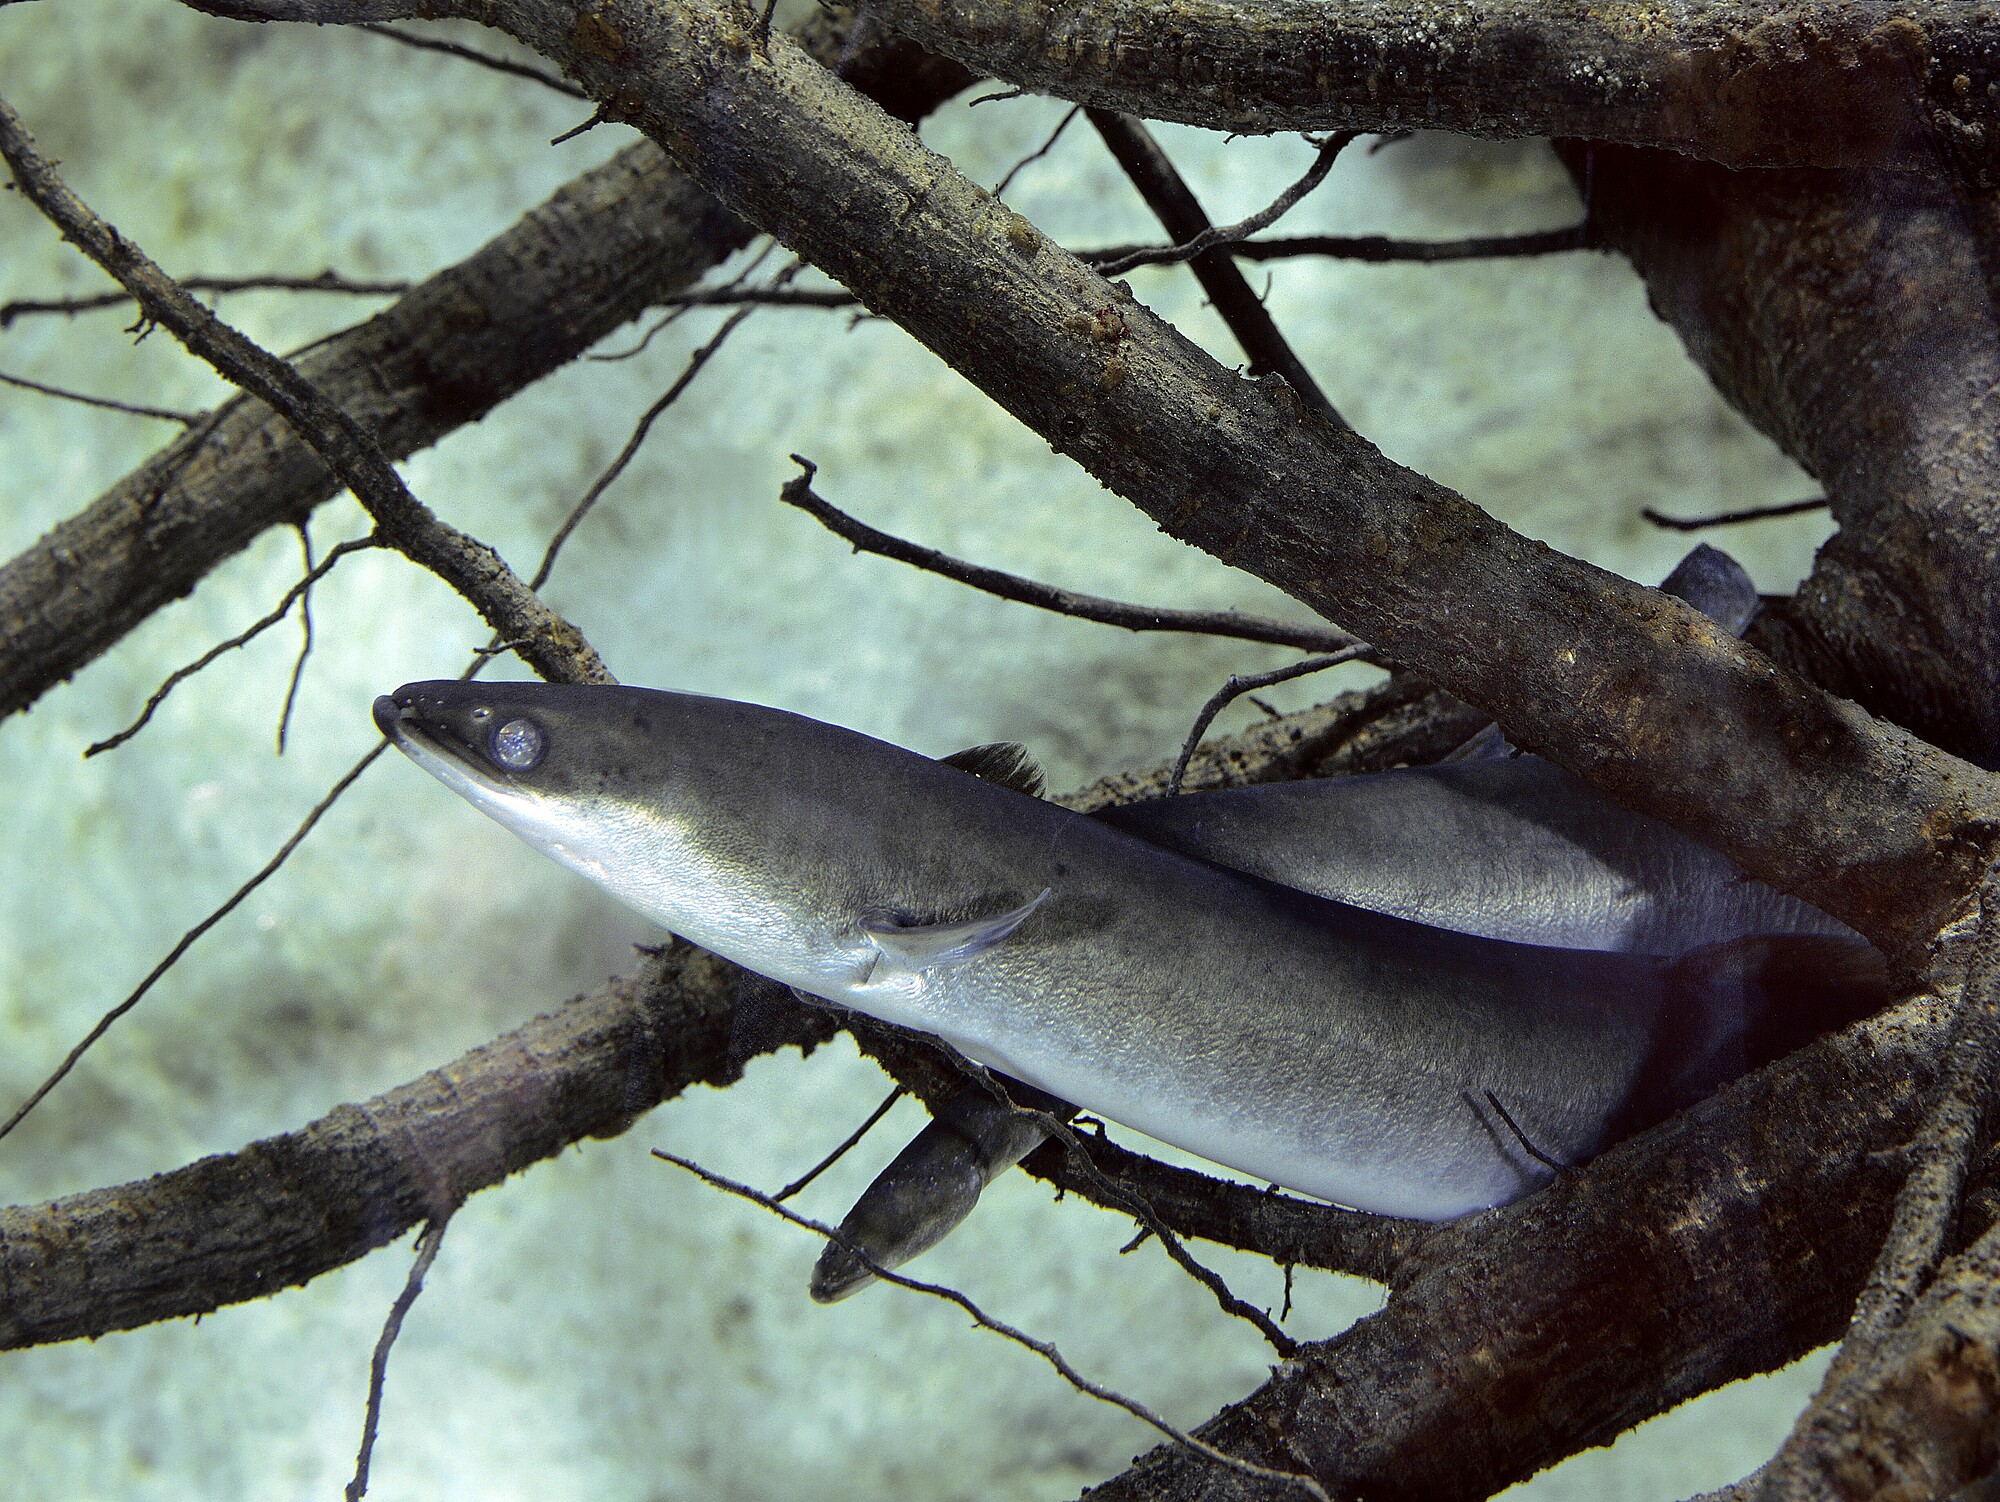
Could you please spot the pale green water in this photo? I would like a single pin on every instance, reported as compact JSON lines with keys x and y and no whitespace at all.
{"x":601,"y":1326}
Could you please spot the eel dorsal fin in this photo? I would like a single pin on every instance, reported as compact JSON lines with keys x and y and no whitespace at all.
{"x":912,"y":948}
{"x":1006,"y":764}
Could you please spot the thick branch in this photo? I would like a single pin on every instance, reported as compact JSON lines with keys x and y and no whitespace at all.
{"x":1847,"y":314}
{"x":1291,"y":1232}
{"x":1826,"y":82}
{"x":1637,"y":693}
{"x":284,"y":1210}
{"x":620,"y":238}
{"x":1729,"y":1241}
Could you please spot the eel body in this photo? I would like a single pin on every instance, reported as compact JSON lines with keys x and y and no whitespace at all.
{"x":1339,"y":1052}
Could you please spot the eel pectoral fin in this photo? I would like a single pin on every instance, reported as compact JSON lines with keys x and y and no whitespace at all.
{"x":913,"y":948}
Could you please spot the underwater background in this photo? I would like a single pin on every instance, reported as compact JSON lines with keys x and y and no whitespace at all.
{"x":603,"y":1325}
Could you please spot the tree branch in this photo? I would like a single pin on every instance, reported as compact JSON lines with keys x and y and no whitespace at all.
{"x":1380,"y":250}
{"x":1894,"y":1414}
{"x":1819,"y":82}
{"x":1291,"y":1232}
{"x":1726,"y":1242}
{"x":282,"y":1211}
{"x":1848,"y":316}
{"x":798,"y":492}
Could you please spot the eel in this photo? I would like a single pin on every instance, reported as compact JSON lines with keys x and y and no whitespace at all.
{"x":1338,"y":1052}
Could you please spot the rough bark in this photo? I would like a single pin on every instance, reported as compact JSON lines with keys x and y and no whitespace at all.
{"x":1847,"y":315}
{"x":1920,"y":1423}
{"x":282,"y":1211}
{"x":1834,"y":83}
{"x":1637,"y":693}
{"x":606,"y":246}
{"x":1727,"y":1242}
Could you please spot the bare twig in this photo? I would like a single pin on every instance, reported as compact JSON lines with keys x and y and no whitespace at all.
{"x":1242,"y":229}
{"x":644,"y":426}
{"x":1289,"y":1230}
{"x":1560,"y":1168}
{"x":103,"y":403}
{"x":428,"y":1242}
{"x":1182,"y":216}
{"x":305,"y":636}
{"x":729,"y":293}
{"x":1241,"y":684}
{"x":1121,"y":1197}
{"x":187,"y":940}
{"x":557,"y":650}
{"x":1730,"y":518}
{"x":762,"y":297}
{"x":257,"y":628}
{"x":798,"y":492}
{"x":844,"y":1149}
{"x":1380,"y":249}
{"x":541,"y":76}
{"x":1041,"y":1348}
{"x":1040,"y":151}
{"x":325,"y":281}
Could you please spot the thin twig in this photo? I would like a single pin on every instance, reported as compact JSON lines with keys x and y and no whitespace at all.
{"x":763,"y":297}
{"x":617,"y":466}
{"x":472,"y":669}
{"x":325,"y":281}
{"x":1730,"y":518}
{"x":597,"y":118}
{"x":798,"y":492}
{"x":541,"y":76}
{"x":1180,"y":213}
{"x":1562,"y":1170}
{"x":558,"y":650}
{"x":1040,"y":151}
{"x":306,"y":637}
{"x":844,"y":1149}
{"x":1242,"y":684}
{"x":428,"y":1242}
{"x":1133,"y":1203}
{"x":1381,"y":250}
{"x":729,"y":293}
{"x":249,"y":633}
{"x":1041,"y":1348}
{"x":187,"y":940}
{"x":103,"y":403}
{"x":1242,"y":229}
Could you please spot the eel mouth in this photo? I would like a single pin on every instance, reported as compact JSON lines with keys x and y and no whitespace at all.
{"x":430,"y":739}
{"x":389,"y":718}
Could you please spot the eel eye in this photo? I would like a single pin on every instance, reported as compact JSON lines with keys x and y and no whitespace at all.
{"x":518,"y":745}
